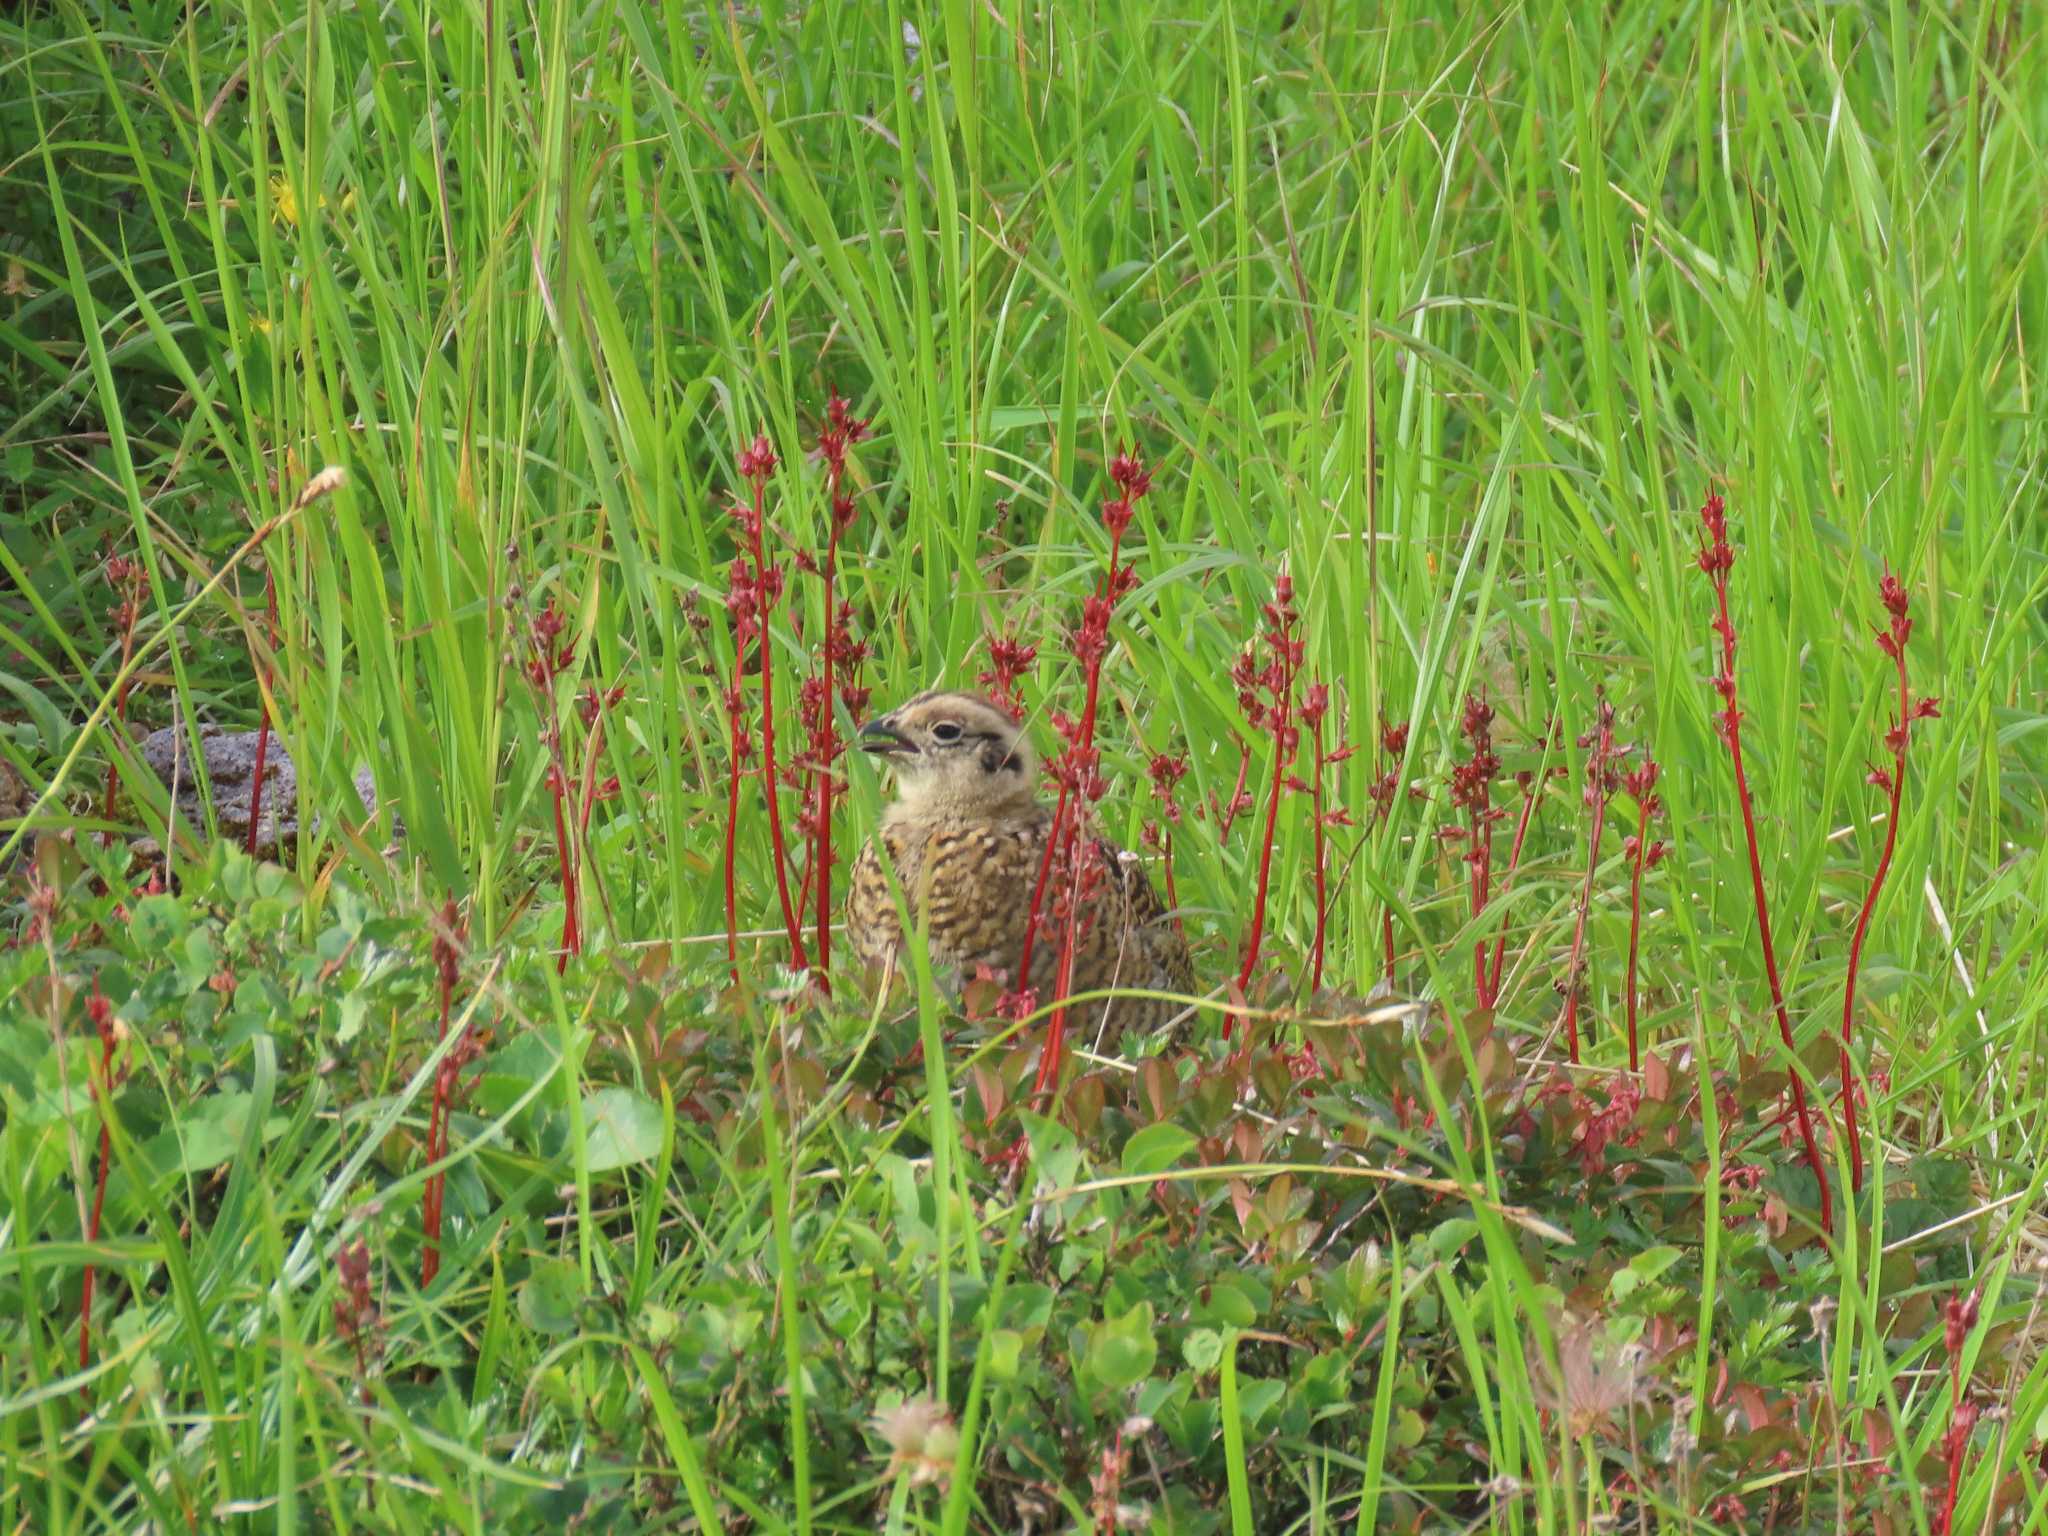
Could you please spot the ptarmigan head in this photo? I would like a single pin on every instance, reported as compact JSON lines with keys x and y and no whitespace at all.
{"x":954,"y":751}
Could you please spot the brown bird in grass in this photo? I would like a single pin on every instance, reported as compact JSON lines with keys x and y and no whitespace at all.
{"x":966,"y":836}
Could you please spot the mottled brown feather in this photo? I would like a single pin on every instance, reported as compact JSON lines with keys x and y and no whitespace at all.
{"x":966,"y":845}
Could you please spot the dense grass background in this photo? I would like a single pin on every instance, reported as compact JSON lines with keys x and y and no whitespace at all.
{"x":1458,"y":315}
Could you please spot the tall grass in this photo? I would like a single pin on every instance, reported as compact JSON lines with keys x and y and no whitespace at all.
{"x":1458,"y":314}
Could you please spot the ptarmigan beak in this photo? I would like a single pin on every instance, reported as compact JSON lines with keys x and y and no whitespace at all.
{"x":883,"y":737}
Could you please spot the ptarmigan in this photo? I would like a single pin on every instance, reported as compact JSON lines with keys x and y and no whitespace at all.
{"x":966,"y":836}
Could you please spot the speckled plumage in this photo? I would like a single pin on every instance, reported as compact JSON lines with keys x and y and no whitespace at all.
{"x":966,"y":837}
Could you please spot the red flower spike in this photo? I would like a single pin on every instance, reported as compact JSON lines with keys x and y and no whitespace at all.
{"x":1891,"y":781}
{"x":100,"y":1010}
{"x":1642,"y":853}
{"x":1717,"y":558}
{"x":1603,"y":776}
{"x":449,"y":936}
{"x":838,"y":649}
{"x":1072,"y":866}
{"x":1266,"y":694}
{"x":751,"y":608}
{"x":1471,"y":791}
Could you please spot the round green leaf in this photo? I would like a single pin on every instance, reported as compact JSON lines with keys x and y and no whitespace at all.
{"x":621,"y":1126}
{"x":1157,"y":1148}
{"x":548,"y":1297}
{"x":1202,"y":1349}
{"x":1122,"y":1351}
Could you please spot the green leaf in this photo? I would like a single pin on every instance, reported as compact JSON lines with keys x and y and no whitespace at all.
{"x":209,"y":1133}
{"x":1202,"y":1349}
{"x":1157,"y":1148}
{"x":1005,"y":1353}
{"x":1231,"y":1303}
{"x":549,"y":1296}
{"x":1449,"y":1236}
{"x":624,"y":1126}
{"x":159,"y":922}
{"x":1121,"y":1352}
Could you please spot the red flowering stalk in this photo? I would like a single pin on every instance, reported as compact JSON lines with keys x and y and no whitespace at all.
{"x":1641,"y":783}
{"x":591,"y":708}
{"x":1525,"y":781}
{"x":1266,"y":695}
{"x":545,"y":663}
{"x":126,"y":577}
{"x":1166,"y":770}
{"x":1472,"y":793}
{"x":1072,"y":848}
{"x":263,"y":716}
{"x":1106,"y":1482}
{"x":1240,"y":799}
{"x":841,"y":430}
{"x":1603,"y":776}
{"x":101,"y":1012}
{"x":1716,"y":559}
{"x":1892,"y":641}
{"x":1958,"y":1317}
{"x":1008,"y":660}
{"x":740,"y":752}
{"x":1394,"y":744}
{"x":356,"y":1315}
{"x":759,"y":584}
{"x":1315,"y":703}
{"x":448,"y":936}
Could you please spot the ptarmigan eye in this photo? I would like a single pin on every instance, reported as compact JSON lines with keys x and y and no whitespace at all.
{"x":946,"y":730}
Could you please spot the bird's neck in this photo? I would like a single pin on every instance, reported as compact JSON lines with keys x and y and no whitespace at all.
{"x":939,"y":804}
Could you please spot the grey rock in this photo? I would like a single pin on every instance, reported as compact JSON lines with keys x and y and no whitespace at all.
{"x":229,"y":758}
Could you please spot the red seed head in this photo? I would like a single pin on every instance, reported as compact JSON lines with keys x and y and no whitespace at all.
{"x":757,"y":460}
{"x":1892,"y":594}
{"x":1315,"y":703}
{"x":1129,"y":473}
{"x":842,"y":419}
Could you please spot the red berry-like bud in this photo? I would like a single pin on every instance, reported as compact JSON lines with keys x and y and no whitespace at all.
{"x":757,"y":461}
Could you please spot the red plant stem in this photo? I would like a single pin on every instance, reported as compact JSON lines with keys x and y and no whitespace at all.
{"x":1481,"y":883}
{"x":1251,"y":952}
{"x":1031,"y":918}
{"x":263,"y":718}
{"x":768,"y":784}
{"x":437,"y":1128}
{"x":1172,"y":895}
{"x":99,"y":1194}
{"x":1756,"y":884}
{"x":732,"y":827}
{"x":1574,"y":971}
{"x":430,"y":1201}
{"x":1230,"y":812}
{"x":1052,"y":1057}
{"x":1958,"y":1318}
{"x":572,"y":937}
{"x":1732,"y":731}
{"x":593,"y":748}
{"x":1500,"y":942}
{"x":130,"y":604}
{"x":1957,"y":1445}
{"x":1316,"y":824}
{"x":1387,"y":938}
{"x":1066,"y":831}
{"x":1635,"y":924}
{"x":828,"y":743}
{"x":1884,"y":865}
{"x":1778,"y":994}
